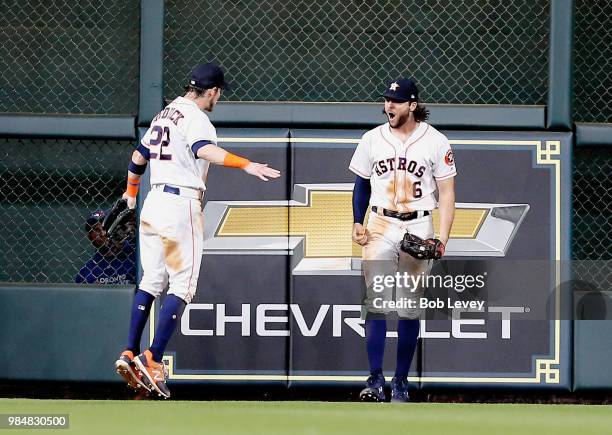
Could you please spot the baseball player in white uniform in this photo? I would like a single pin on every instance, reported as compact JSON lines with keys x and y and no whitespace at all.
{"x":179,"y":145}
{"x":399,"y":167}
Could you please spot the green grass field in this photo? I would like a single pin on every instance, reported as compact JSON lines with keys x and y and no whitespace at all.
{"x":169,"y":418}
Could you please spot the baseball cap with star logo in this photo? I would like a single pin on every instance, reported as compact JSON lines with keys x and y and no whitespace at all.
{"x":402,"y":90}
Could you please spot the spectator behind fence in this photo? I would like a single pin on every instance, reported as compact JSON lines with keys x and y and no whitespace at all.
{"x":114,"y":261}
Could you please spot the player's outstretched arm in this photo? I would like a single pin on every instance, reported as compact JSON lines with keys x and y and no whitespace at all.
{"x":137,"y":167}
{"x":219,"y":156}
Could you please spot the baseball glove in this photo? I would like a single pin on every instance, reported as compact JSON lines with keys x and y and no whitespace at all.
{"x":428,"y":249}
{"x":119,"y":223}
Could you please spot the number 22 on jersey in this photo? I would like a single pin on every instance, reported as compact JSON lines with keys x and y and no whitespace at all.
{"x":160,"y":136}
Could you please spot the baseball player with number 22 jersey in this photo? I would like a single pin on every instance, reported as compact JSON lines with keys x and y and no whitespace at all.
{"x":179,"y":146}
{"x":399,"y":166}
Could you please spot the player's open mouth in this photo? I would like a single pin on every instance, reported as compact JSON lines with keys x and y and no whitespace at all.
{"x":391,"y":115}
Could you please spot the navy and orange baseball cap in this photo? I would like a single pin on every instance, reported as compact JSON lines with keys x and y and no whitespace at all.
{"x":208,"y":75}
{"x":402,"y":90}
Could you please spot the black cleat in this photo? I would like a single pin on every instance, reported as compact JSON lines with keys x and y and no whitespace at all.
{"x":399,"y":390}
{"x":374,"y":390}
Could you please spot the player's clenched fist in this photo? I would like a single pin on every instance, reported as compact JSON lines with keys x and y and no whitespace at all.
{"x":131,"y":200}
{"x":360,"y":234}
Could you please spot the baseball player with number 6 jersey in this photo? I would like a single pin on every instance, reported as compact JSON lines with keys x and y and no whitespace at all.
{"x":399,"y":167}
{"x":179,"y":146}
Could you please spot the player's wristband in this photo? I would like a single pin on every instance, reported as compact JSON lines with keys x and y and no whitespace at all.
{"x":234,"y":161}
{"x":133,"y":184}
{"x":137,"y":169}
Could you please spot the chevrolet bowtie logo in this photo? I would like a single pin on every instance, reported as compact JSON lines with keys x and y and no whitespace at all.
{"x":315,"y":227}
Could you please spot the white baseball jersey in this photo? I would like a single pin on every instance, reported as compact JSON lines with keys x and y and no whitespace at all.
{"x":403,"y":174}
{"x":170,"y":137}
{"x":171,"y":230}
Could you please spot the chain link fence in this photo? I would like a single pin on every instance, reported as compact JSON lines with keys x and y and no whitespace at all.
{"x":48,"y":188}
{"x":82,"y":57}
{"x":484,"y":51}
{"x":593,"y":61}
{"x":592,"y":215}
{"x":69,"y":57}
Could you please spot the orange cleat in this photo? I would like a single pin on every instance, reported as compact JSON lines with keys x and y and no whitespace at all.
{"x":125,"y":367}
{"x":153,"y":373}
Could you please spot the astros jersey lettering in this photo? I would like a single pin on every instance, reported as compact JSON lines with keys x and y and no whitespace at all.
{"x":403,"y":175}
{"x":170,"y":137}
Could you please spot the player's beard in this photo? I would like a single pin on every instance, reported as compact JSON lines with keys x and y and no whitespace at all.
{"x":398,"y":120}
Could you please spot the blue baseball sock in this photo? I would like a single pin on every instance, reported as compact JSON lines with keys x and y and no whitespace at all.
{"x":170,"y":313}
{"x":376,"y":332}
{"x":141,"y":306}
{"x":407,"y":339}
